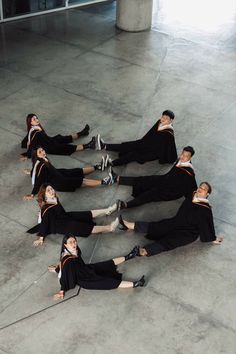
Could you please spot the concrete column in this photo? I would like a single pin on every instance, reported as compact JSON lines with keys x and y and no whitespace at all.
{"x":134,"y":15}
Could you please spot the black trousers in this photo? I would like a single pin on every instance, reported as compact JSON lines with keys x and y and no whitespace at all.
{"x":154,"y":248}
{"x":146,"y":197}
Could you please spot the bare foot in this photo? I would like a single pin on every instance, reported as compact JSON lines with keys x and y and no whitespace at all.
{"x":59,"y":296}
{"x":38,"y":242}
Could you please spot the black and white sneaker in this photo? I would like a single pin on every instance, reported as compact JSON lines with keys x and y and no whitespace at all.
{"x":108,"y":180}
{"x":99,"y":142}
{"x":113,"y":174}
{"x":100,"y":166}
{"x":106,"y":161}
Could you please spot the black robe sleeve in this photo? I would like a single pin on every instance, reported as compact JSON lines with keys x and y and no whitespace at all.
{"x":206,"y":226}
{"x":68,"y":278}
{"x":44,"y":226}
{"x":40,"y":178}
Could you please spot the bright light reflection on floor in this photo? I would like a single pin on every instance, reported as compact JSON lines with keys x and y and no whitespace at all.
{"x":206,"y":15}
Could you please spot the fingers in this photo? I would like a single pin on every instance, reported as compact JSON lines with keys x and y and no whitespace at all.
{"x":52,"y":269}
{"x":38,"y":242}
{"x":28,"y":197}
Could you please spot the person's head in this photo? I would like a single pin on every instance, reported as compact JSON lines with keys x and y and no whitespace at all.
{"x":167,"y":117}
{"x":69,"y":243}
{"x":204,"y":190}
{"x":186,"y":154}
{"x":46,"y":192}
{"x":38,"y":153}
{"x":31,"y":120}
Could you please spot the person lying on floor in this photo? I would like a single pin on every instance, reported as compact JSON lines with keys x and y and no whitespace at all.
{"x":53,"y":219}
{"x":178,"y":182}
{"x":72,"y":270}
{"x":194,"y":219}
{"x":56,"y":145}
{"x":65,"y":180}
{"x":157,"y":144}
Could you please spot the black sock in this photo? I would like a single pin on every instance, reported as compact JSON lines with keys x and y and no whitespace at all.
{"x":84,"y":132}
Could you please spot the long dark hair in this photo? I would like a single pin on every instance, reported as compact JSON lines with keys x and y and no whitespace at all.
{"x":28,"y":121}
{"x":42,"y":194}
{"x":63,"y":247}
{"x":34,"y":156}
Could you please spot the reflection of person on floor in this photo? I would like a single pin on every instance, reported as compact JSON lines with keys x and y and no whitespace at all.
{"x":157,"y":144}
{"x":194,"y":219}
{"x":178,"y":182}
{"x":65,"y":180}
{"x":56,"y":145}
{"x":73,"y":271}
{"x":53,"y":218}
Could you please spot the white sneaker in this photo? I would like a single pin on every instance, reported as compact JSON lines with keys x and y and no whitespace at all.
{"x":114,"y":224}
{"x":111,"y":209}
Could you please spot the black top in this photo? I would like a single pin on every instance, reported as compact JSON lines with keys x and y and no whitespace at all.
{"x":193,"y":220}
{"x":57,"y":145}
{"x":97,"y":276}
{"x":178,"y":182}
{"x":161,"y":142}
{"x":56,"y":220}
{"x":65,"y":180}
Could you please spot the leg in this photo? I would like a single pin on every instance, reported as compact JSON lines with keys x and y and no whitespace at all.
{"x":91,"y":182}
{"x":88,"y":170}
{"x":119,"y":260}
{"x":126,"y":284}
{"x":146,"y":197}
{"x":99,"y":212}
{"x":106,"y":228}
{"x":79,"y":147}
{"x":123,"y":160}
{"x":152,"y":249}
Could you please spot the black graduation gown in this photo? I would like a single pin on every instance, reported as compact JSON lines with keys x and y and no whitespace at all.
{"x":55,"y":220}
{"x":178,"y":182}
{"x":154,"y":145}
{"x":57,"y":145}
{"x":193,"y":220}
{"x":97,"y":276}
{"x":64,"y":180}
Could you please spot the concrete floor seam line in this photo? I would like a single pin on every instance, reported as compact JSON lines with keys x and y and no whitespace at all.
{"x":225,"y":222}
{"x":175,"y":77}
{"x":125,"y":60}
{"x":16,"y":221}
{"x":98,"y":101}
{"x":95,"y":246}
{"x":10,"y":131}
{"x":24,"y":291}
{"x":40,"y":311}
{"x":203,"y":317}
{"x":3,"y":351}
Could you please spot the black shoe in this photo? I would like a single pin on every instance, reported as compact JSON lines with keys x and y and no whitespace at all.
{"x":120,"y":205}
{"x":91,"y":144}
{"x":122,"y":225}
{"x":133,"y":253}
{"x":139,"y":282}
{"x":84,"y":132}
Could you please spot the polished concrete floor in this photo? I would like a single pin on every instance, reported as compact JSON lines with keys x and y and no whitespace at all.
{"x":73,"y":68}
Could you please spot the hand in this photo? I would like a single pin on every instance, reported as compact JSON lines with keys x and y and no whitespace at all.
{"x":142,"y":252}
{"x":52,"y":269}
{"x":218,"y":241}
{"x":26,"y":171}
{"x":38,"y":242}
{"x":23,"y":158}
{"x":59,"y":296}
{"x":28,"y":197}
